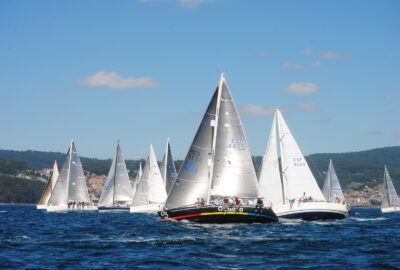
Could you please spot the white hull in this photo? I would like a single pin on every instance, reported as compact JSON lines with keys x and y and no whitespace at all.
{"x":312,"y":210}
{"x":41,"y":206}
{"x":150,"y":208}
{"x":392,"y":209}
{"x":64,"y":208}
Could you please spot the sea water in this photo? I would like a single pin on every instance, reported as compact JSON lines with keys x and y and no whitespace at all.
{"x":34,"y":239}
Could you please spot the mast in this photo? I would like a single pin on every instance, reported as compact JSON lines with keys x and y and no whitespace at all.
{"x":115,"y":172}
{"x":69,"y":167}
{"x":213,"y":138}
{"x":281,"y":152}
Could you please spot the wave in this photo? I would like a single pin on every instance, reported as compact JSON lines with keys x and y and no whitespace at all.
{"x":367,"y":219}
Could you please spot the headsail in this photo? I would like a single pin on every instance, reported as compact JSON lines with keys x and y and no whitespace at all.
{"x":59,"y":195}
{"x":49,"y":186}
{"x":150,"y":188}
{"x":137,"y":179}
{"x":54,"y":175}
{"x":296,"y":174}
{"x":331,"y":189}
{"x":233,"y":169}
{"x":269,"y":173}
{"x":117,"y":186}
{"x":168,"y":171}
{"x":389,"y":197}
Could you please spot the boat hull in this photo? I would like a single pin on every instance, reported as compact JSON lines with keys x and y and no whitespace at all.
{"x":219,"y":214}
{"x":64,"y":208}
{"x":118,"y":209}
{"x":41,"y":207}
{"x":149,"y":209}
{"x":392,"y":209}
{"x":312,"y":211}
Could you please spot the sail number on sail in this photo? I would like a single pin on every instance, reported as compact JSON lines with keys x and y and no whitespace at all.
{"x":238,"y":143}
{"x":298,"y":162}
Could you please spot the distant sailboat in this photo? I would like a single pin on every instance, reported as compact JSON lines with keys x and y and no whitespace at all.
{"x":291,"y":187}
{"x":150,"y":192}
{"x":390,"y":199}
{"x":168,"y":171}
{"x":70,"y":192}
{"x":137,"y":179}
{"x":218,"y":165}
{"x":117,"y":193}
{"x":49,"y":187}
{"x":331,"y":189}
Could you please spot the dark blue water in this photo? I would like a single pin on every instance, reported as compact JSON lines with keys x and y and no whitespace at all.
{"x":39,"y":240}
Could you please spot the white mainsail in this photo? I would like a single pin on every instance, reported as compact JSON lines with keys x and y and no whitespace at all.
{"x":389,"y":198}
{"x":150,"y":189}
{"x":296,"y":173}
{"x":49,"y":187}
{"x":71,"y":182}
{"x":218,"y":162}
{"x":331,"y":189}
{"x":117,"y":187}
{"x":269,"y":173}
{"x":54,"y":175}
{"x":168,"y":171}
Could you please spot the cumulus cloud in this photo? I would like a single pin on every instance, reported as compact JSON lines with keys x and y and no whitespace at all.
{"x":306,"y":51}
{"x":301,"y":106}
{"x":255,"y":110}
{"x":291,"y":65}
{"x":115,"y":81}
{"x":301,"y":88}
{"x":332,"y":55}
{"x":393,"y":97}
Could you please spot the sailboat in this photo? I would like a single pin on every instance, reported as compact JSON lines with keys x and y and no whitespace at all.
{"x":150,"y":192}
{"x":390,"y":200}
{"x":70,"y":192}
{"x":168,"y":171}
{"x":137,"y":179}
{"x":117,"y":193}
{"x":42,"y":204}
{"x":290,"y":186}
{"x":331,"y":189}
{"x":218,"y":165}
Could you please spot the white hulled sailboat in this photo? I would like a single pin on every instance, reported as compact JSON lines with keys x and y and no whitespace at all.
{"x":291,"y":187}
{"x":117,"y":193}
{"x":42,"y":204}
{"x":331,"y":189}
{"x":150,"y":192}
{"x":70,"y":192}
{"x":390,"y":200}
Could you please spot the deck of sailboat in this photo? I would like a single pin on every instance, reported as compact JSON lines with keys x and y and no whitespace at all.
{"x":312,"y":211}
{"x":220,"y":214}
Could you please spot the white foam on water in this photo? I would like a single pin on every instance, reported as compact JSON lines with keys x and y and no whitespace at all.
{"x":368,"y":219}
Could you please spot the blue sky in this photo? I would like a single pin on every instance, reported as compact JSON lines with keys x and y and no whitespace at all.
{"x":142,"y":71}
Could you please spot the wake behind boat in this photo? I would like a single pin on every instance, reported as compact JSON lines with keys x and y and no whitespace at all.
{"x":218,"y":166}
{"x":390,"y":199}
{"x":117,"y":193}
{"x":290,"y":186}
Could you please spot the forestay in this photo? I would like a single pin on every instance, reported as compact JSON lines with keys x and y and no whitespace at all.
{"x":331,"y":189}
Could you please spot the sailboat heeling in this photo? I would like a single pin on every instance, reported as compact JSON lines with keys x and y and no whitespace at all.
{"x":296,"y":173}
{"x":233,"y":173}
{"x":331,"y":188}
{"x":390,"y":197}
{"x":193,"y":178}
{"x":77,"y":189}
{"x":106,"y":197}
{"x":60,"y":191}
{"x":269,"y":174}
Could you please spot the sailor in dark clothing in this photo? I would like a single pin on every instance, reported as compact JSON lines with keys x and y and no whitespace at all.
{"x":259,"y":205}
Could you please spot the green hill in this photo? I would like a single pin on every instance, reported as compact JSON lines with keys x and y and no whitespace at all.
{"x":18,"y":190}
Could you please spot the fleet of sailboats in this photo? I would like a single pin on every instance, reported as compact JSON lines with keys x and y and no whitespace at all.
{"x":390,"y":199}
{"x":290,"y":186}
{"x":117,"y":194}
{"x":217,"y":169}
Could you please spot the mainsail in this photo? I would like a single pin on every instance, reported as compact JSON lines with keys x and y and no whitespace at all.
{"x":296,"y":173}
{"x":168,"y":171}
{"x":150,"y":189}
{"x":71,"y":183}
{"x":49,"y":186}
{"x":218,"y":162}
{"x":117,"y":187}
{"x":331,"y":189}
{"x":389,"y":197}
{"x":269,"y":173}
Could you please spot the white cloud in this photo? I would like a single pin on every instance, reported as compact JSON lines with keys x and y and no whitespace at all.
{"x":115,"y":81}
{"x":332,"y":55}
{"x":301,"y":88}
{"x":191,"y":3}
{"x":306,"y":51}
{"x":301,"y":106}
{"x":255,"y":110}
{"x":291,"y":65}
{"x":316,"y":64}
{"x":397,"y":96}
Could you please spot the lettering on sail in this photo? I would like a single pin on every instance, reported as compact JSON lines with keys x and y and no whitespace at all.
{"x":299,"y":162}
{"x":237,"y":143}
